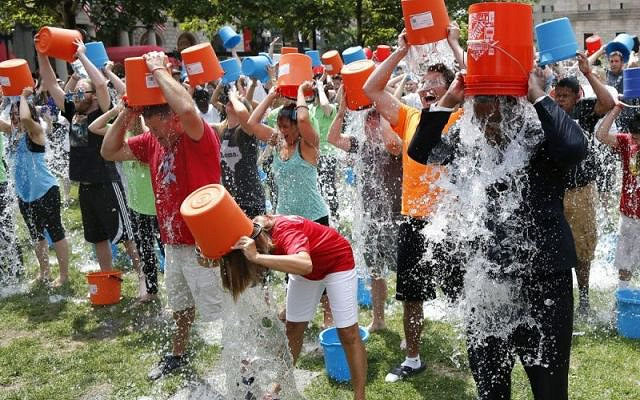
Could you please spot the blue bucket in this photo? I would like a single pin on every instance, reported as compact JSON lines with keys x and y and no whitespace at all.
{"x":256,"y":67}
{"x":266,"y":55}
{"x":353,"y":54}
{"x":623,"y":43}
{"x":231,"y":69}
{"x":335,"y":361}
{"x":349,"y":176}
{"x":556,"y":41}
{"x":364,"y":293}
{"x":230,"y":38}
{"x":97,"y":54}
{"x":631,"y":80}
{"x":315,"y":57}
{"x":629,"y":313}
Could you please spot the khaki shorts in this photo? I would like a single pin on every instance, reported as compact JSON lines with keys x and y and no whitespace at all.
{"x":580,"y":211}
{"x":628,"y":250}
{"x":190,"y":285}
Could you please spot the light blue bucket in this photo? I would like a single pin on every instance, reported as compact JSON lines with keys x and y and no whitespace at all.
{"x":556,"y":41}
{"x":335,"y":361}
{"x":97,"y":54}
{"x":364,"y":293}
{"x":353,"y":54}
{"x":266,"y":55}
{"x":628,"y":313}
{"x":231,"y":69}
{"x":623,"y":43}
{"x":256,"y":67}
{"x":230,"y":38}
{"x":315,"y":57}
{"x":631,"y":80}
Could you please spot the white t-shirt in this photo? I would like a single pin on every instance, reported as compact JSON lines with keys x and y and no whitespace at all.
{"x":212,"y":116}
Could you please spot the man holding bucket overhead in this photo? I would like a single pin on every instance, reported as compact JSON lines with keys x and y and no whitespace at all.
{"x":183,"y":154}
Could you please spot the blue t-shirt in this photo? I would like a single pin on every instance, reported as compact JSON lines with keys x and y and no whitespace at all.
{"x":32,"y":177}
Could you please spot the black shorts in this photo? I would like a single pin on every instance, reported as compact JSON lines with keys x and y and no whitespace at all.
{"x":104,"y":212}
{"x":43,"y":214}
{"x":417,"y":275}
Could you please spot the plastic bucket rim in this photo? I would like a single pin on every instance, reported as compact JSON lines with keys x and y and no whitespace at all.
{"x":364,"y":337}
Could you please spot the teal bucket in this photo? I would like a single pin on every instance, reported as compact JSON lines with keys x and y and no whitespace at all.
{"x":623,"y":43}
{"x":353,"y":54}
{"x":97,"y":54}
{"x":315,"y":57}
{"x":230,"y":38}
{"x":256,"y":67}
{"x":335,"y":361}
{"x":628,"y":313}
{"x":556,"y":41}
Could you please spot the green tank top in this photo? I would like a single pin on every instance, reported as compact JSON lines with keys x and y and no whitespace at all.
{"x":297,"y":182}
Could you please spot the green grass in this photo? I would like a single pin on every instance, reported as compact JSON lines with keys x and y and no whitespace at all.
{"x":71,"y":350}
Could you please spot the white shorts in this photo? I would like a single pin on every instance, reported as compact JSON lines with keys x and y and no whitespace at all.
{"x":303,"y":296}
{"x":190,"y":285}
{"x":628,"y":250}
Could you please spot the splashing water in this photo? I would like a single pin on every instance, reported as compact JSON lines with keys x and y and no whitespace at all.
{"x":421,"y":56}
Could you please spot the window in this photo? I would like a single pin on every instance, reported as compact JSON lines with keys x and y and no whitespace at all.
{"x":621,"y":6}
{"x":543,"y":8}
{"x":552,"y":8}
{"x":589,"y":7}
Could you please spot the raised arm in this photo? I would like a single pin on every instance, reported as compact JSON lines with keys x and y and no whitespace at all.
{"x":596,"y":55}
{"x":605,"y":101}
{"x":391,"y":141}
{"x":70,"y":86}
{"x":299,"y":264}
{"x":49,"y":80}
{"x":307,"y":131}
{"x":98,"y":80}
{"x":453,"y":38}
{"x":99,"y":125}
{"x":115,"y":80}
{"x":603,"y":132}
{"x":386,"y":104}
{"x":34,"y":129}
{"x":272,"y":46}
{"x":177,"y":96}
{"x":243,"y":116}
{"x":335,"y":136}
{"x":325,"y":104}
{"x":114,"y":145}
{"x":255,"y":124}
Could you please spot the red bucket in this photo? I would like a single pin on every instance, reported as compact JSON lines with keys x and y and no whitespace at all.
{"x":500,"y":49}
{"x":593,"y":44}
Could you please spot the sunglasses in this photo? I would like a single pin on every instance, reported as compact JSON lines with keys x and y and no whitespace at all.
{"x":77,"y":95}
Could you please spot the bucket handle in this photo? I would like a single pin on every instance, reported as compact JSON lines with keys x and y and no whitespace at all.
{"x":629,"y":105}
{"x":494,"y":44}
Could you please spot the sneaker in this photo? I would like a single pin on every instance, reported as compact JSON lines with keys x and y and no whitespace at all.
{"x":167,"y":365}
{"x":402,"y":371}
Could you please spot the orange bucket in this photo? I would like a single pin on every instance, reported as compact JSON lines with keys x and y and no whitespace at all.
{"x":58,"y":42}
{"x":354,"y":76}
{"x":288,"y":50}
{"x":215,"y":220}
{"x":104,"y":287}
{"x":293,"y":70}
{"x":500,"y":49}
{"x":202,"y":64}
{"x":142,"y":88}
{"x":332,"y":62}
{"x":15,"y":75}
{"x":425,"y":21}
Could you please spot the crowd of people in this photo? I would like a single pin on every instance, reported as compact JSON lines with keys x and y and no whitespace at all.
{"x":279,"y":158}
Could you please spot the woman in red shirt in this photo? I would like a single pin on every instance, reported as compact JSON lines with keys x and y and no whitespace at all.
{"x":315,"y":257}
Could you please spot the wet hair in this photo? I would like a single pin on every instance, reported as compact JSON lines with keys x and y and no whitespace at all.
{"x":448,"y":74}
{"x":616,"y":53}
{"x":570,"y":83}
{"x":238,"y":273}
{"x":153,"y":111}
{"x":201,"y":97}
{"x":288,"y":112}
{"x":634,"y":124}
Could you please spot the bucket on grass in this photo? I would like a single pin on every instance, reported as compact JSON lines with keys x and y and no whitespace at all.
{"x":58,"y":42}
{"x":425,"y":21}
{"x":142,"y":88}
{"x":335,"y":361}
{"x":382,"y":52}
{"x":500,"y":49}
{"x":104,"y":287}
{"x":97,"y":54}
{"x":332,"y":62}
{"x":352,"y":54}
{"x":293,"y":70}
{"x":556,"y":41}
{"x":631,"y":80}
{"x":623,"y":43}
{"x":15,"y":75}
{"x":215,"y":220}
{"x":364,"y":293}
{"x":354,"y":76}
{"x":593,"y":44}
{"x":201,"y":64}
{"x":232,"y":70}
{"x":230,"y":38}
{"x":628,"y":304}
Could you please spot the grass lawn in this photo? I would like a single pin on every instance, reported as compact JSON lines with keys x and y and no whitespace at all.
{"x":54,"y":345}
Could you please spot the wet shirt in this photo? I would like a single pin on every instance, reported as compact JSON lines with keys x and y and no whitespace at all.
{"x":239,"y":160}
{"x":85,"y":162}
{"x":616,"y":81}
{"x":630,"y":195}
{"x":32,"y":177}
{"x":176,"y":172}
{"x":588,"y":170}
{"x":330,"y":252}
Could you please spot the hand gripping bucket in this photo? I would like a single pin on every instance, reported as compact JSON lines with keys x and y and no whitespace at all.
{"x":352,"y":54}
{"x":202,"y":64}
{"x":58,"y":42}
{"x":288,"y":50}
{"x":593,"y":44}
{"x":15,"y":75}
{"x":293,"y":70}
{"x":425,"y":21}
{"x":230,"y":38}
{"x":232,"y":70}
{"x":256,"y":67}
{"x":215,"y":220}
{"x":142,"y":88}
{"x":315,"y":57}
{"x":104,"y":287}
{"x":628,"y":301}
{"x":631,"y":81}
{"x":556,"y":41}
{"x":500,"y":49}
{"x":382,"y":52}
{"x":364,"y":293}
{"x":332,"y":62}
{"x":354,"y":76}
{"x":623,"y":43}
{"x":97,"y":54}
{"x":335,"y":360}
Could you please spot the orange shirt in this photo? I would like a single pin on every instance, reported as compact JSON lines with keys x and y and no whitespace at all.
{"x":419,"y":192}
